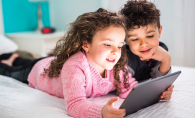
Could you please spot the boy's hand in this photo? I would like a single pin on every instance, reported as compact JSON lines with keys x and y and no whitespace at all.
{"x":163,"y":56}
{"x":167,"y":94}
{"x":109,"y":111}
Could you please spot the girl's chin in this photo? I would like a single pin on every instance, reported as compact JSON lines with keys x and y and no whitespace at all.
{"x":109,"y":67}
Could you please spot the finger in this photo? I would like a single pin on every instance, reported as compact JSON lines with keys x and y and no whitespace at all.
{"x":118,"y":111}
{"x":120,"y":116}
{"x":115,"y":116}
{"x":142,"y":59}
{"x":165,"y":97}
{"x":112,"y":100}
{"x":171,"y":87}
{"x":167,"y":92}
{"x":147,"y":59}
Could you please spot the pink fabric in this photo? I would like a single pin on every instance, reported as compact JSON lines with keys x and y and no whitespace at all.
{"x":77,"y":81}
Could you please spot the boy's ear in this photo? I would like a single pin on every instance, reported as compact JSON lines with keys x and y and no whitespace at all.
{"x":85,"y":46}
{"x":160,"y":30}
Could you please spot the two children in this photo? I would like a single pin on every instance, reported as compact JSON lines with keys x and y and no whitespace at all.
{"x":90,"y":61}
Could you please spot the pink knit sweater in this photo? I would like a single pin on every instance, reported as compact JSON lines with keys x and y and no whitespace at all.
{"x":77,"y":81}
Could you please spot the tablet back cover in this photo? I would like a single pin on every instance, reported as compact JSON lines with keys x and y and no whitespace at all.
{"x":148,"y":93}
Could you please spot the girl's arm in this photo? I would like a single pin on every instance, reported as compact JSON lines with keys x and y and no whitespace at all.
{"x":74,"y":90}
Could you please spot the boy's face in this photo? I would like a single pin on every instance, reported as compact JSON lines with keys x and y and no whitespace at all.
{"x":143,"y":41}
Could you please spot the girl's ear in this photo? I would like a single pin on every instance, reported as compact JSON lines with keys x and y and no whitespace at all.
{"x":85,"y":46}
{"x":160,"y":30}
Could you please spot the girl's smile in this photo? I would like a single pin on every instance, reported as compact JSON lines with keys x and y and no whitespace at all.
{"x":111,"y":60}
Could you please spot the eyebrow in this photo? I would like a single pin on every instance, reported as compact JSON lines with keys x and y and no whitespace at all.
{"x":112,"y":40}
{"x":130,"y":35}
{"x":150,"y":31}
{"x":146,"y":32}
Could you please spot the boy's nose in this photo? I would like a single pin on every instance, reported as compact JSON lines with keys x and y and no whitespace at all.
{"x":143,"y":43}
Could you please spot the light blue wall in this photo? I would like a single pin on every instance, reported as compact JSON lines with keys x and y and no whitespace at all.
{"x":63,"y":12}
{"x":21,"y":15}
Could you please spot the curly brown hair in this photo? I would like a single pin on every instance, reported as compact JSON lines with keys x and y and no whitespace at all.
{"x":82,"y":30}
{"x":140,"y":13}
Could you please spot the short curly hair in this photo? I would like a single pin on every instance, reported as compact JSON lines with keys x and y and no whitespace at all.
{"x":140,"y":13}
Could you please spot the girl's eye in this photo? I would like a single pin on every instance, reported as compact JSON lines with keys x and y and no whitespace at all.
{"x":107,"y":45}
{"x":119,"y":47}
{"x":134,"y":39}
{"x":150,"y":36}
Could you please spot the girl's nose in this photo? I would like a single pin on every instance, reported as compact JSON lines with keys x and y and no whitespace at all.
{"x":114,"y":50}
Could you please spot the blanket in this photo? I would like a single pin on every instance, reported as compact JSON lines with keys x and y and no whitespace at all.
{"x":18,"y":100}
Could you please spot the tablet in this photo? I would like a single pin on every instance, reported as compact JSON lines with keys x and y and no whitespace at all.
{"x":148,"y":92}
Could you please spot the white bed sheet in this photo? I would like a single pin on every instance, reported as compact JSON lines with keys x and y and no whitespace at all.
{"x":17,"y":100}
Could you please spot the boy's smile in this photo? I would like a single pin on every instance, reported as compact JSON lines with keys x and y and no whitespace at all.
{"x":143,"y":41}
{"x":145,"y":51}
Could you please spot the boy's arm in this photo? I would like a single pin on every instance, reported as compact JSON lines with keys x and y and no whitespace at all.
{"x":164,"y":57}
{"x":165,"y":65}
{"x":155,"y":71}
{"x":131,"y":70}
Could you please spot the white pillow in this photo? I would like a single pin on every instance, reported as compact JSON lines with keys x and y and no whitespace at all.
{"x":7,"y":45}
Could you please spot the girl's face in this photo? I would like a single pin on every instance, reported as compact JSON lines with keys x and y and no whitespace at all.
{"x":105,"y":49}
{"x":143,"y":41}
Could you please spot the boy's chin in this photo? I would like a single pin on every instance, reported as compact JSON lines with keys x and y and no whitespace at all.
{"x":145,"y":56}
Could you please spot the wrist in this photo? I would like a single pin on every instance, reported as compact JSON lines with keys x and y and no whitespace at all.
{"x":166,"y":59}
{"x":165,"y":65}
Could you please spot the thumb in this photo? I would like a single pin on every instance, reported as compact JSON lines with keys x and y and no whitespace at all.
{"x":112,"y":100}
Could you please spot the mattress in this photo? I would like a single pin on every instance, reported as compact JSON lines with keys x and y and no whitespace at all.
{"x":17,"y":100}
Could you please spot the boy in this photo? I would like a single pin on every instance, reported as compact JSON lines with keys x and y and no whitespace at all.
{"x":147,"y":57}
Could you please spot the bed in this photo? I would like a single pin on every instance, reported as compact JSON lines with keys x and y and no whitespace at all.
{"x":17,"y":100}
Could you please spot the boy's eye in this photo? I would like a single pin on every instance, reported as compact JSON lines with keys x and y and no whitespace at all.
{"x":134,"y":39}
{"x":107,"y":45}
{"x":150,"y":36}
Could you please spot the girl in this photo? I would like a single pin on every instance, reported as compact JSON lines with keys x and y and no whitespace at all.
{"x":82,"y":66}
{"x":89,"y":61}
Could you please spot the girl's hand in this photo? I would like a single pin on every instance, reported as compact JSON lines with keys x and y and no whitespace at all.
{"x":109,"y":111}
{"x":167,"y":94}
